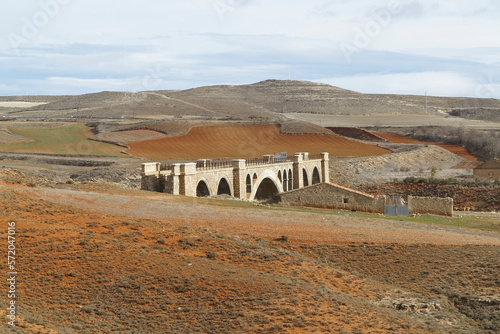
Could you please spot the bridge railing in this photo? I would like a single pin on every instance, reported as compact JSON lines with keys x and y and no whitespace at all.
{"x":267,"y":161}
{"x":214,"y":164}
{"x":208,"y":164}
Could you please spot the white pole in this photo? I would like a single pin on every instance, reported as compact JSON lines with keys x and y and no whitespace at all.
{"x":426,"y":102}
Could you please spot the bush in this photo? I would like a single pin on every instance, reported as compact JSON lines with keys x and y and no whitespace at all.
{"x":283,"y":238}
{"x":452,"y":181}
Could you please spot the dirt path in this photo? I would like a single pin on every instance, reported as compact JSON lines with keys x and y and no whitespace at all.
{"x":226,"y":218}
{"x":185,"y":102}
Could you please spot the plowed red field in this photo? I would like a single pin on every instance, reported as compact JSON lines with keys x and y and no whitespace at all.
{"x":247,"y":141}
{"x":458,"y":150}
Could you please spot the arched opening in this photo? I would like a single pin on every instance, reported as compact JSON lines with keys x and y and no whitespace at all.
{"x":202,"y":189}
{"x":249,"y":184}
{"x":316,"y":178}
{"x":223,"y":188}
{"x":290,"y":180}
{"x":254,"y":178}
{"x":285,"y":181}
{"x":304,"y":176}
{"x":267,"y":191}
{"x":279,"y":176}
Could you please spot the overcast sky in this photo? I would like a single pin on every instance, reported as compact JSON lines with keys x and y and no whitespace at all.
{"x":444,"y":48}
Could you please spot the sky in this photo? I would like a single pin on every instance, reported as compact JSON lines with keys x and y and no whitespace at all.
{"x":439,"y":48}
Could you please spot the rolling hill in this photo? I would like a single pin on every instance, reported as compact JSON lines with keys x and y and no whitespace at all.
{"x":270,"y":99}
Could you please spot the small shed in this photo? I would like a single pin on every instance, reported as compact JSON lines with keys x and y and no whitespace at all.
{"x":488,"y":170}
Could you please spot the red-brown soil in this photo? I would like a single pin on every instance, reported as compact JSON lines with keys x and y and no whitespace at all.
{"x":98,"y":259}
{"x":458,"y":150}
{"x":246,"y":141}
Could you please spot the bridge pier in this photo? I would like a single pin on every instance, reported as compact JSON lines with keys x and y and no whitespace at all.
{"x":187,"y":182}
{"x":239,"y":178}
{"x":172,"y":181}
{"x":325,"y":167}
{"x":298,"y":166}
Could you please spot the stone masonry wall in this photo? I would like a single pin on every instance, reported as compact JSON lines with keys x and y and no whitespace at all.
{"x":430,"y":205}
{"x":151,"y":183}
{"x":332,"y":196}
{"x":492,"y":174}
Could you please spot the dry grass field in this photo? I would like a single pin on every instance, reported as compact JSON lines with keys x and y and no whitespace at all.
{"x":101,"y":259}
{"x":69,"y":139}
{"x":19,"y":104}
{"x":247,"y":141}
{"x":412,"y":119}
{"x":130,"y":136}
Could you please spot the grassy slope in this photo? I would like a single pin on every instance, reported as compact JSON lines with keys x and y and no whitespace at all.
{"x":70,"y":139}
{"x":486,"y":223}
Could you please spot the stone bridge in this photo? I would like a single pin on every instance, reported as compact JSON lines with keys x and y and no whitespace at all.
{"x":250,"y":179}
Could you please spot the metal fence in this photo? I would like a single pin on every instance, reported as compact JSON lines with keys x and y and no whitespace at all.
{"x":396,"y":210}
{"x":267,"y":161}
{"x":214,"y":164}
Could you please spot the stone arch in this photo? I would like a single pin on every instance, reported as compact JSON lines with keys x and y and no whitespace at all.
{"x":254,"y":178}
{"x":248,"y":183}
{"x":267,"y":191}
{"x":266,"y":174}
{"x":202,"y":189}
{"x":315,"y":176}
{"x":285,"y":181}
{"x":223,"y":188}
{"x":304,"y":176}
{"x":279,"y":176}
{"x":290,"y":180}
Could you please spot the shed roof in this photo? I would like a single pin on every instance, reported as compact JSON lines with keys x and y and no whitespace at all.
{"x":490,"y":164}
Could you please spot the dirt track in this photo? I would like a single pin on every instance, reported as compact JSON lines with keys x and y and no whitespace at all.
{"x":234,"y":220}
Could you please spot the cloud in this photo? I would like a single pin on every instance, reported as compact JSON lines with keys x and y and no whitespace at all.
{"x":119,"y":44}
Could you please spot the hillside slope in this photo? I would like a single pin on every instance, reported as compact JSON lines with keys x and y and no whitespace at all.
{"x":267,"y":99}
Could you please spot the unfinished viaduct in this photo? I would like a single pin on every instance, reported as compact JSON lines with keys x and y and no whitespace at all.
{"x":250,"y":179}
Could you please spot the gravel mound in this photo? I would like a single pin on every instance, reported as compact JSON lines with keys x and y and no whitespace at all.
{"x":123,"y":176}
{"x":408,"y":160}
